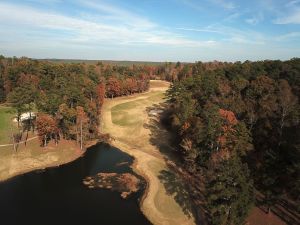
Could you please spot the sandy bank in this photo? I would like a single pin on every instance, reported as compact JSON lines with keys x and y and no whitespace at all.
{"x":32,"y":157}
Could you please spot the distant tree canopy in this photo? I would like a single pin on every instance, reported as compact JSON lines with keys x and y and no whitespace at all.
{"x":238,"y":125}
{"x":66,"y":95}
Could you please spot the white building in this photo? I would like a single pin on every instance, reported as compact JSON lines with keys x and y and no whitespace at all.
{"x":25,"y":116}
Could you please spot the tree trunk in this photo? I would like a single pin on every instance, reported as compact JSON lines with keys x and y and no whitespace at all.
{"x":56,"y":140}
{"x":26,"y":138}
{"x":281,"y":127}
{"x":13,"y":139}
{"x":81,"y":139}
{"x":45,"y":140}
{"x":18,"y":119}
{"x":30,"y":120}
{"x":77,"y":135}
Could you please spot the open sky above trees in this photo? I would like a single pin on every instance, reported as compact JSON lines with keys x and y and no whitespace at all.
{"x":169,"y":30}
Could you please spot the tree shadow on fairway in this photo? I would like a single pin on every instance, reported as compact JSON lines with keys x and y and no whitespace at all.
{"x":175,"y":187}
{"x":163,"y":140}
{"x":159,"y":136}
{"x":175,"y":179}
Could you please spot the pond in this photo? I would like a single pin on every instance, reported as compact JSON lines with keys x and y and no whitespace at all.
{"x":57,"y":196}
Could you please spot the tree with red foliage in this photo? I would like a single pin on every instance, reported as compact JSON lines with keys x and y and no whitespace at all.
{"x":226,"y":138}
{"x":229,"y":117}
{"x":131,"y":85}
{"x":143,"y":83}
{"x":113,"y":87}
{"x":101,"y":93}
{"x":234,"y":138}
{"x":28,"y":79}
{"x":47,"y":129}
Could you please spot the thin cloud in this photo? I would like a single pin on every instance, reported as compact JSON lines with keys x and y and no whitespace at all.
{"x":46,"y":1}
{"x":228,"y":5}
{"x":232,"y":34}
{"x":200,"y":30}
{"x":119,"y":14}
{"x":102,"y":29}
{"x":292,"y":3}
{"x":224,"y":4}
{"x":256,"y":19}
{"x":288,"y":36}
{"x":288,"y":13}
{"x":83,"y":31}
{"x":232,"y":17}
{"x":192,"y":4}
{"x":291,"y":18}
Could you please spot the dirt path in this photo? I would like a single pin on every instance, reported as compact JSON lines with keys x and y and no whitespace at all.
{"x":129,"y":122}
{"x":21,"y":142}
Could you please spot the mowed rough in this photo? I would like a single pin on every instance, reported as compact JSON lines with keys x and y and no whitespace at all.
{"x":126,"y":119}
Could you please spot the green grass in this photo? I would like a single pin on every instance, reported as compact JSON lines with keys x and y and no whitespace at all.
{"x":6,"y":116}
{"x":124,"y":119}
{"x":123,"y":116}
{"x":156,"y":97}
{"x":121,"y":113}
{"x":125,"y":106}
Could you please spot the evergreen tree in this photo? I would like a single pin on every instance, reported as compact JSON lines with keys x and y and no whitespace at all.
{"x":229,"y":192}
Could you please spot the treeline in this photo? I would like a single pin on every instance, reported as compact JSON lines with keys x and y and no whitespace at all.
{"x":67,"y":97}
{"x":238,"y":126}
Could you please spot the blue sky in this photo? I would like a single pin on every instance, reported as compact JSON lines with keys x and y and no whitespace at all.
{"x":152,"y":30}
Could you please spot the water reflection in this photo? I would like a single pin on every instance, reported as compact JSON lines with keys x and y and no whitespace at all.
{"x":57,"y":196}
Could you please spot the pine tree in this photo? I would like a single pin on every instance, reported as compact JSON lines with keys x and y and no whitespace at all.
{"x":229,"y":192}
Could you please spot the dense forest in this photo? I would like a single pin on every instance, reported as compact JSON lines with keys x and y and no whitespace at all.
{"x":236,"y":124}
{"x":239,"y":137}
{"x":68,"y":97}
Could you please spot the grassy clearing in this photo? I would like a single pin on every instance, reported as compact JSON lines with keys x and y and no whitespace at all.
{"x":6,"y":116}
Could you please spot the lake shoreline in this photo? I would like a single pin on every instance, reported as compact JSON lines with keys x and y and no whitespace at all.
{"x":78,"y":154}
{"x":40,"y":191}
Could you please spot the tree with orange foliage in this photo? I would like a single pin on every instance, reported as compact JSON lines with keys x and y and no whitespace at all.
{"x":229,"y":188}
{"x":113,"y":87}
{"x":229,"y":121}
{"x":234,"y":138}
{"x":101,"y":93}
{"x":47,"y":129}
{"x":131,"y":85}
